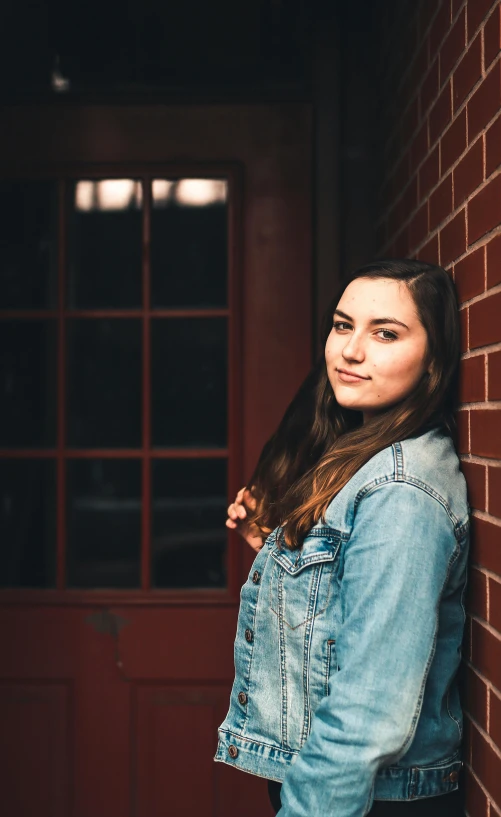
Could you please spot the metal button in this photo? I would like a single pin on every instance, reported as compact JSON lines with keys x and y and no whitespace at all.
{"x":242,"y":698}
{"x":249,"y":635}
{"x":256,"y":577}
{"x":451,"y":778}
{"x":232,"y":750}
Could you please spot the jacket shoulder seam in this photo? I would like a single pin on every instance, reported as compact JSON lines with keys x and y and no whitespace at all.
{"x":460,"y":525}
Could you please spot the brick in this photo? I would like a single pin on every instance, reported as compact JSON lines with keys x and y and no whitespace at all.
{"x":429,"y":252}
{"x":468,"y":73}
{"x":419,"y":65}
{"x":494,"y":261}
{"x":485,"y":102}
{"x":492,"y":36}
{"x":474,"y":692}
{"x":484,"y":323}
{"x":463,"y":426}
{"x":477,"y":11}
{"x":402,"y":244}
{"x":486,"y":764}
{"x":453,"y":46}
{"x":494,"y":479}
{"x":484,"y":433}
{"x":494,"y":370}
{"x":464,"y":326}
{"x":429,"y":89}
{"x":418,"y":227}
{"x":486,"y":545}
{"x":495,"y":604}
{"x":419,"y":147}
{"x":486,"y":654}
{"x":439,"y":26}
{"x":441,"y":203}
{"x":472,"y":380}
{"x":453,"y":239}
{"x":453,"y":142}
{"x":401,"y":175}
{"x":484,"y":210}
{"x":476,"y":601}
{"x":469,"y":173}
{"x":476,"y":801}
{"x":495,"y":716}
{"x":429,"y":173}
{"x":409,"y":199}
{"x":469,"y":275}
{"x":475,"y":480}
{"x":441,"y":113}
{"x":410,"y":121}
{"x":493,"y":147}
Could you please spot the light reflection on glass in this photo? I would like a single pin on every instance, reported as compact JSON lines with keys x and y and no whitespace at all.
{"x":201,"y":192}
{"x":108,"y":194}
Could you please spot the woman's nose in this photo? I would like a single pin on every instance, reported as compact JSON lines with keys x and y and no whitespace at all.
{"x":354,"y":349}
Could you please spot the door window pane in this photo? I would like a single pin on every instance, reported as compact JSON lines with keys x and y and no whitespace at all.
{"x":189,"y":238}
{"x":189,"y":382}
{"x":104,"y":382}
{"x":27,"y":523}
{"x":28,"y":245}
{"x":27,"y":383}
{"x":104,"y":523}
{"x":188,"y":527}
{"x":105,"y":244}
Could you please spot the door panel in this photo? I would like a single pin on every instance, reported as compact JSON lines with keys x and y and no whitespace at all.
{"x":163,"y":370}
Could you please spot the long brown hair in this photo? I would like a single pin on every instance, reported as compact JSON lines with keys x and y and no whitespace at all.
{"x":319,"y":445}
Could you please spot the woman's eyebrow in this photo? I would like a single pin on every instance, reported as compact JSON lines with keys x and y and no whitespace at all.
{"x":374,"y":321}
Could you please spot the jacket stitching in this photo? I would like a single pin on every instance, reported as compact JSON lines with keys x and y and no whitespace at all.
{"x":370,"y":487}
{"x":306,"y":653}
{"x":310,"y":614}
{"x":283,"y":669}
{"x":250,"y":651}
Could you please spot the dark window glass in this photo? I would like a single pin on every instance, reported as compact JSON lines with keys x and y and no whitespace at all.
{"x":27,"y":383}
{"x":188,"y":527}
{"x":104,"y":382}
{"x":27,"y":523}
{"x":28,"y":245}
{"x":105,"y":243}
{"x":189,"y":388}
{"x":104,"y":523}
{"x":189,"y":236}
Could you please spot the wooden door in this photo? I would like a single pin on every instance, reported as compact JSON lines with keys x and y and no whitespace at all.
{"x":155,"y":312}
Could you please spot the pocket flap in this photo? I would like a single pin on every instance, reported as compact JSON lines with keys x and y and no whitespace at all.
{"x":321,"y":545}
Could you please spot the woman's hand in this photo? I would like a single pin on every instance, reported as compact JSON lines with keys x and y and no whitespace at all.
{"x":238,"y":519}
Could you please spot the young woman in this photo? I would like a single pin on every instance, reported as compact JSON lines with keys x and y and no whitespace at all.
{"x":351,"y":621}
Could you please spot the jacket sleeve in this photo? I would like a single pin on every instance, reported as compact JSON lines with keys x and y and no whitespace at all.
{"x":396,"y":564}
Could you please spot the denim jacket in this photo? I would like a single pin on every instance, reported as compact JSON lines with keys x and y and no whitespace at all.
{"x":347,"y":650}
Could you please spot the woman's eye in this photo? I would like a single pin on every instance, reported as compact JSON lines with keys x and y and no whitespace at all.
{"x":341,"y":325}
{"x":386,"y":334}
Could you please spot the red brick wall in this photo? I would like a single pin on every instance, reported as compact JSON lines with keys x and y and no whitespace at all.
{"x":438,"y":126}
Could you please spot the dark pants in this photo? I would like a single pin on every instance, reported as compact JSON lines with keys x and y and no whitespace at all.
{"x":447,"y":805}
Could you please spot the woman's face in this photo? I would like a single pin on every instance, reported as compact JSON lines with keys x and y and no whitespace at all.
{"x":376,"y":351}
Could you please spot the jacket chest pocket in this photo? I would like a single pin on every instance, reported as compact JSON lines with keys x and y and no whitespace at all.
{"x":302,"y":581}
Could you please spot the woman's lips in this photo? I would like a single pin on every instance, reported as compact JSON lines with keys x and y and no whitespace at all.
{"x":348,"y":377}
